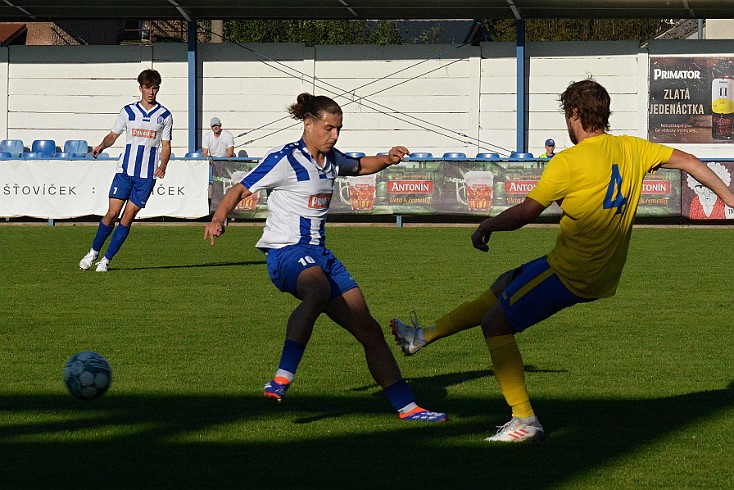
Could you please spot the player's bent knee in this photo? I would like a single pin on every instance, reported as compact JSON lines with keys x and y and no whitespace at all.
{"x":318,"y":300}
{"x":495,"y":323}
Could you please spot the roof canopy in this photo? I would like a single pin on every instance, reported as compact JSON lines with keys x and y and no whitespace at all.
{"x":55,"y":10}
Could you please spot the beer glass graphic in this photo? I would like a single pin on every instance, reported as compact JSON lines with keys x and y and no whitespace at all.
{"x":359,"y":192}
{"x":247,"y":204}
{"x":476,"y":191}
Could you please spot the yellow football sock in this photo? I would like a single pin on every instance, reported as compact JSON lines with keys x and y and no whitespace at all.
{"x":509,"y":371}
{"x":466,"y":315}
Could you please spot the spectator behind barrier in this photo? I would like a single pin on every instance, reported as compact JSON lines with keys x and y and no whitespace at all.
{"x":218,"y":142}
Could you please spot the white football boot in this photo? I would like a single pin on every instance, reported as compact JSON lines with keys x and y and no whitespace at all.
{"x":519,"y":430}
{"x":102,"y":265}
{"x":86,"y":263}
{"x":409,"y":338}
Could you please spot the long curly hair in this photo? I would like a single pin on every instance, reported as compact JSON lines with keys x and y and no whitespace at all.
{"x":590,"y":101}
{"x":313,"y":106}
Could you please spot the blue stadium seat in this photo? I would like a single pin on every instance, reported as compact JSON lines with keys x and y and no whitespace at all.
{"x":193,"y":154}
{"x":4,"y":155}
{"x":35,"y":155}
{"x":44,"y":147}
{"x":488,"y":156}
{"x":354,"y":154}
{"x":421,"y":155}
{"x":64,"y":154}
{"x":14,"y":147}
{"x":521,"y":156}
{"x":76,"y":148}
{"x":454,"y":155}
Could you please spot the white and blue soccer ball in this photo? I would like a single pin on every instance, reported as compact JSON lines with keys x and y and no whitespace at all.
{"x":87,"y":375}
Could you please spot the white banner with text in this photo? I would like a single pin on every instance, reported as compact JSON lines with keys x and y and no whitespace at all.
{"x":58,"y":189}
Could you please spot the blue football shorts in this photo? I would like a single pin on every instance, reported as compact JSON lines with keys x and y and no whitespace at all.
{"x":535,"y":294}
{"x":135,"y":189}
{"x":286,"y":264}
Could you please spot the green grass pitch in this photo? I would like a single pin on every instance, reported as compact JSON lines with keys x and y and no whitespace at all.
{"x":634,"y":391}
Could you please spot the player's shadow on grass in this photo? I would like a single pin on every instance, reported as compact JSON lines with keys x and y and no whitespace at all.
{"x":194,"y":266}
{"x":435,"y":388}
{"x":175,"y":441}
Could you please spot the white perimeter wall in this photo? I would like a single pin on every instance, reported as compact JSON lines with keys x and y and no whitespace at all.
{"x":435,"y":98}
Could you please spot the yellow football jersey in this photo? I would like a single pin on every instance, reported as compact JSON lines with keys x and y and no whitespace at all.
{"x":597,"y":183}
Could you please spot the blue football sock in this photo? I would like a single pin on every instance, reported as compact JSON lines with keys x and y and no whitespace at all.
{"x":399,"y":394}
{"x":291,"y":356}
{"x":103,"y":232}
{"x":118,"y":238}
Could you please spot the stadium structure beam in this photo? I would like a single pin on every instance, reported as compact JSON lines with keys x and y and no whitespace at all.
{"x":27,"y":14}
{"x":193,"y":95}
{"x":184,"y":13}
{"x":57,"y":10}
{"x":522,"y":83}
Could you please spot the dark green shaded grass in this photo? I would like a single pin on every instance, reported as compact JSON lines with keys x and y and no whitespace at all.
{"x":636,"y":390}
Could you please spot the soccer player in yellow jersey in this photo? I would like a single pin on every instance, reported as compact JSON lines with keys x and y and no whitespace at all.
{"x":597,"y":185}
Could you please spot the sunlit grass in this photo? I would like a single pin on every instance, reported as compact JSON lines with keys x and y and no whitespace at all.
{"x":636,"y":390}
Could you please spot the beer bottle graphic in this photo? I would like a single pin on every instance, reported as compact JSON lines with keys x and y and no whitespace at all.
{"x":722,"y":101}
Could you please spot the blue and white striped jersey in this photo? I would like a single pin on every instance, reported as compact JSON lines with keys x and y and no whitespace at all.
{"x":299,"y":193}
{"x":145,"y":130}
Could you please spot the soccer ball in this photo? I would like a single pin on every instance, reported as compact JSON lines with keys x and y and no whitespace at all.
{"x":87,"y":375}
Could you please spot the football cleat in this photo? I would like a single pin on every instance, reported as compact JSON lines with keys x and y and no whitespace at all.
{"x":519,"y":430}
{"x":407,"y":337}
{"x":86,"y":263}
{"x":419,"y":414}
{"x":102,"y":265}
{"x":276,"y":388}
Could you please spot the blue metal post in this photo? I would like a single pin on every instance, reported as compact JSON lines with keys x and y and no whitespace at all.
{"x":522,"y":112}
{"x":193,"y":92}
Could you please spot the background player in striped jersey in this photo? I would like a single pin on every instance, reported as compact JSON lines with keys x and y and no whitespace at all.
{"x":299,"y":178}
{"x":148,"y":126}
{"x":597,"y":183}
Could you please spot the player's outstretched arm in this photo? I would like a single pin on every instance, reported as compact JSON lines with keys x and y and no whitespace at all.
{"x":234,"y":195}
{"x":373,"y":164}
{"x":702,"y":173}
{"x":510,"y":219}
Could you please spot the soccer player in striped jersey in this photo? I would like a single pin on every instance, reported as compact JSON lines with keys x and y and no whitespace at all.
{"x":148,"y":127}
{"x":299,"y":178}
{"x":597,"y":184}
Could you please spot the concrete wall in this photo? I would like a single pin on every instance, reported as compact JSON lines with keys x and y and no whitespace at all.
{"x":719,"y":28}
{"x":435,"y":98}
